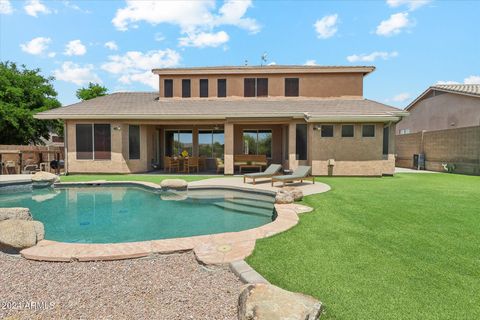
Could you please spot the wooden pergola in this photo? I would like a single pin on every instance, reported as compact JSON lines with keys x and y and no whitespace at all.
{"x":19,"y":165}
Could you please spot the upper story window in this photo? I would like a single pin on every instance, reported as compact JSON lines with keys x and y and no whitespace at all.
{"x":255,"y":87}
{"x":203,"y":88}
{"x":168,"y":88}
{"x":186,"y":89}
{"x":291,"y":87}
{"x":221,"y":88}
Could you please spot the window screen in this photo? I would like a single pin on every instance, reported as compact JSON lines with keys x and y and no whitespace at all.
{"x":134,"y":142}
{"x":301,"y":142}
{"x":368,"y":130}
{"x":168,"y":88}
{"x":249,"y":87}
{"x":262,"y":87}
{"x":221,"y":88}
{"x":347,"y":130}
{"x":327,"y":131}
{"x":102,"y":141}
{"x":84,"y":141}
{"x":203,"y":88}
{"x":186,"y":88}
{"x":291,"y":87}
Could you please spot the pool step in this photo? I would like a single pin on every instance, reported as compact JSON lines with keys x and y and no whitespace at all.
{"x":252,"y":203}
{"x":240,"y":208}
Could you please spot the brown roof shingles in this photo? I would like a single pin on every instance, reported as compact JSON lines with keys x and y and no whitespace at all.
{"x":148,"y":104}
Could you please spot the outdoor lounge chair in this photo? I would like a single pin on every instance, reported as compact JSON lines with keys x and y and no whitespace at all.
{"x":272,"y":170}
{"x":301,"y":173}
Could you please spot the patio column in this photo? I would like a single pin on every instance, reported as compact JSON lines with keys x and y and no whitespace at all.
{"x":292,"y":146}
{"x":229,"y":149}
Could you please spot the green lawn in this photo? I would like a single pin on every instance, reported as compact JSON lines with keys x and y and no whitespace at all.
{"x":403,"y":247}
{"x":155,"y":178}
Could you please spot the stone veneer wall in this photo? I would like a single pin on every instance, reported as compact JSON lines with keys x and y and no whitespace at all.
{"x":460,"y":147}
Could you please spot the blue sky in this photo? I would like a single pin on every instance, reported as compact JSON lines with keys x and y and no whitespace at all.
{"x":413,"y":44}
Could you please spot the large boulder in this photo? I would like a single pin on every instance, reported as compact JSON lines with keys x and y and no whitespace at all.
{"x":174,"y":184}
{"x":16,"y":235}
{"x":265,"y":301}
{"x":43,"y":177}
{"x":283,"y":197}
{"x":296,"y":193}
{"x":15,"y":214}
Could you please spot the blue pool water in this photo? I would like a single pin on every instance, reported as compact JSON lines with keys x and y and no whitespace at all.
{"x":125,"y":214}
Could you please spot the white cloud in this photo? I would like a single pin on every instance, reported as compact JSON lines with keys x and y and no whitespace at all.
{"x":72,"y":72}
{"x":472,"y":80}
{"x":74,"y":6}
{"x":310,"y":63}
{"x":204,"y":39}
{"x":5,"y":7}
{"x":135,"y":66}
{"x":411,"y":4}
{"x":468,"y":80}
{"x":159,"y":37}
{"x":36,"y":46}
{"x":447,"y":82}
{"x":34,"y":7}
{"x":196,"y":19}
{"x":111,"y":45}
{"x":327,"y":26}
{"x":393,"y":25}
{"x":372,"y":56}
{"x":401,"y":97}
{"x":75,"y":48}
{"x":52,"y":54}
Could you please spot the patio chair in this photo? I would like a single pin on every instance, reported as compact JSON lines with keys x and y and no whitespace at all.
{"x":220,"y":165}
{"x":10,"y":166}
{"x":299,"y":174}
{"x":171,"y":163}
{"x":191,"y":162}
{"x":272,"y":170}
{"x":30,"y":166}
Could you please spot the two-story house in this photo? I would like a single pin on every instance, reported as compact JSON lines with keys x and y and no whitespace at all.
{"x":313,"y":115}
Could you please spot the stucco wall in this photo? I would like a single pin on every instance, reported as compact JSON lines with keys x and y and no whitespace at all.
{"x":352,"y":156}
{"x":444,"y":111}
{"x":310,"y":85}
{"x":119,"y":162}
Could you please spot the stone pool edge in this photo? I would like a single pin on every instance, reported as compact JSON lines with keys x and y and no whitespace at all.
{"x":221,"y":248}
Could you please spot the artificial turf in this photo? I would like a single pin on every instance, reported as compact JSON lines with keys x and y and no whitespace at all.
{"x":403,"y":247}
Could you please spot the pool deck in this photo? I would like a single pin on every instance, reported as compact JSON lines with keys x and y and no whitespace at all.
{"x":219,"y":248}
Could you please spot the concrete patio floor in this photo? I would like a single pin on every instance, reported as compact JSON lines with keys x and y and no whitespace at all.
{"x":307,"y":187}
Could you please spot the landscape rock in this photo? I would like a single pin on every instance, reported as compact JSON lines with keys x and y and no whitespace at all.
{"x":15,"y":214}
{"x":42,"y":178}
{"x":174,"y":184}
{"x":295,"y":192}
{"x":173,"y":196}
{"x":265,"y":301}
{"x":16,"y":235}
{"x":283,"y":197}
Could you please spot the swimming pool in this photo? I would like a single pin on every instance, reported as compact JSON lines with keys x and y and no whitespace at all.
{"x":112,"y":214}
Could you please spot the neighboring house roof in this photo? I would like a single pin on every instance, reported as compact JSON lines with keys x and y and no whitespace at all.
{"x":463,"y":89}
{"x":273,"y":69}
{"x":140,"y":105}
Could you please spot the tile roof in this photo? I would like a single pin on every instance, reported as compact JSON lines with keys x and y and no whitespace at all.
{"x":143,"y":105}
{"x":473,"y":89}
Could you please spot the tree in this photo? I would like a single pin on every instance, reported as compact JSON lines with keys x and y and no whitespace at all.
{"x":23,"y":93}
{"x":92,"y":91}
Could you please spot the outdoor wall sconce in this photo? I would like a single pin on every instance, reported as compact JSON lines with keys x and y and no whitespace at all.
{"x":317,"y":127}
{"x":117,"y":128}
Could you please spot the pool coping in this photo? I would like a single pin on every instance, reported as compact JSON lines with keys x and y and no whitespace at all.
{"x":221,"y":248}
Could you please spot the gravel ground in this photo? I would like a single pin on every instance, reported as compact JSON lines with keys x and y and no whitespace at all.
{"x":159,"y":287}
